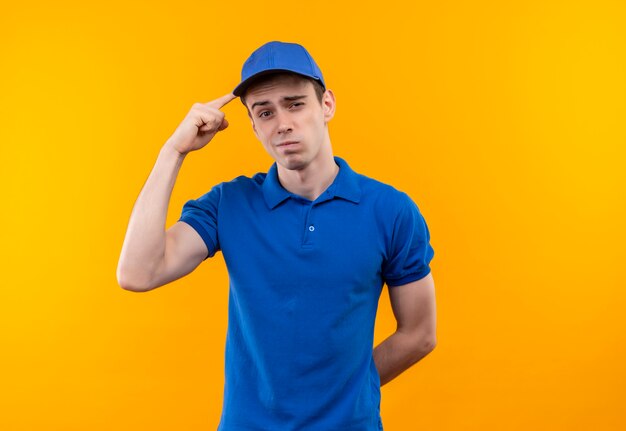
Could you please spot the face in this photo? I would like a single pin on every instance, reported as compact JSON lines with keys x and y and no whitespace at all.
{"x":289,"y":120}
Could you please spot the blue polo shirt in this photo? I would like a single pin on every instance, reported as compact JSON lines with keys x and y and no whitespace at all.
{"x":305,"y":279}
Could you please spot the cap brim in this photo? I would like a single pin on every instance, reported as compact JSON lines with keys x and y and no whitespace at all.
{"x":243,"y":86}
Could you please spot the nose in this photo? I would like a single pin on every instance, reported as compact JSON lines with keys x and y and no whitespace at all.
{"x":284,"y":123}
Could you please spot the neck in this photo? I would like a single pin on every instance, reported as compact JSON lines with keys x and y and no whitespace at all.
{"x":311,"y":181}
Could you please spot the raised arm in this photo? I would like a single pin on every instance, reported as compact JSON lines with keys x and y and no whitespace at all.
{"x":150,"y":256}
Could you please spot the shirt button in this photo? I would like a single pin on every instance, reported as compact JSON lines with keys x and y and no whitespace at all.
{"x":311,"y":228}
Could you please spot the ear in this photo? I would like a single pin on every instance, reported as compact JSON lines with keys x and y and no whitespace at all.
{"x":328,"y":105}
{"x":254,"y":127}
{"x":252,"y":122}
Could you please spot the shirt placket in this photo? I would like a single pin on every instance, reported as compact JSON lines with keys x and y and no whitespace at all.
{"x":308,"y":238}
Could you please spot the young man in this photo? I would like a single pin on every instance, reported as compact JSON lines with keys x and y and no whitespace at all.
{"x":308,"y":246}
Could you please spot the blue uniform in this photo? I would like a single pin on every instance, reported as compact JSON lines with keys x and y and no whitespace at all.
{"x":305,"y":279}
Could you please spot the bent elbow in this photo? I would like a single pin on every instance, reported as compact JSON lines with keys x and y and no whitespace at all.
{"x":129,"y":283}
{"x":430,"y":345}
{"x":132,"y":287}
{"x":425,"y":346}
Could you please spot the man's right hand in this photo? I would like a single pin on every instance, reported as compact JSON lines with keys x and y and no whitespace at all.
{"x":202,"y":122}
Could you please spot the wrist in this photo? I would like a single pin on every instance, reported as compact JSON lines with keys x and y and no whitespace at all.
{"x":170,"y":150}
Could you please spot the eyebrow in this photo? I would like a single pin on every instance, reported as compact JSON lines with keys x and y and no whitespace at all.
{"x":286,"y":98}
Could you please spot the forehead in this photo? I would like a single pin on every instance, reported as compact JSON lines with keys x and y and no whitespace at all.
{"x":277,"y":87}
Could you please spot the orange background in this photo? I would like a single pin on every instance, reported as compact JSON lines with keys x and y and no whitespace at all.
{"x":503,"y":120}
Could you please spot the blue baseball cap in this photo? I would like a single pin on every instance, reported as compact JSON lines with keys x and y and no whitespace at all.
{"x":278,"y":56}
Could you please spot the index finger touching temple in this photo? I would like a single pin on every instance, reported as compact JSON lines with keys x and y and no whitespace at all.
{"x":221,"y":101}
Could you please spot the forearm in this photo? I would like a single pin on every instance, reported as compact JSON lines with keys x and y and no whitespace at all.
{"x":144,"y":244}
{"x":399,"y":352}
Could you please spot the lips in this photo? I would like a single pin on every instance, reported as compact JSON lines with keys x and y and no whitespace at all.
{"x":287,"y":143}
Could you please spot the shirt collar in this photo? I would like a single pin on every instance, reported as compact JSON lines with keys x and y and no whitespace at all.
{"x":345,"y":185}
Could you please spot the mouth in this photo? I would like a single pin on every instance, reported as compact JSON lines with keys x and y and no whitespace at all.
{"x":287,"y":143}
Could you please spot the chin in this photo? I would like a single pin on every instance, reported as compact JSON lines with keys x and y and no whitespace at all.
{"x":293,"y":163}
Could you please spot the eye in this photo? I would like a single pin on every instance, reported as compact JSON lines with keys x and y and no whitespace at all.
{"x":262,"y":113}
{"x":297,"y":104}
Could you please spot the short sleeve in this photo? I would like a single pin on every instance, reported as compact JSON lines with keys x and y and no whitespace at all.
{"x":201,"y":214}
{"x":409,"y":252}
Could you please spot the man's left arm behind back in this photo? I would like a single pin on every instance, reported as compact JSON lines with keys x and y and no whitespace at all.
{"x":414,"y":308}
